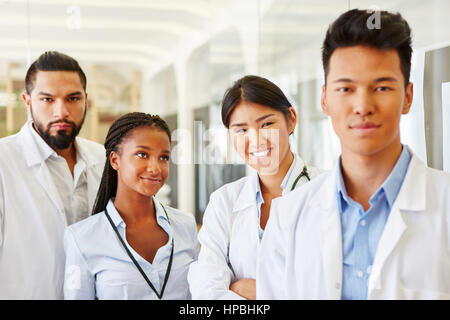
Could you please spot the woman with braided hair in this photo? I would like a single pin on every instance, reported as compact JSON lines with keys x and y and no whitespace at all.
{"x":132,"y":247}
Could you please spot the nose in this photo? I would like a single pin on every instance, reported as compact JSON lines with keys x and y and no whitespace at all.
{"x":363,"y":104}
{"x":253,"y":137}
{"x":60,"y":109}
{"x":153,"y":166}
{"x":261,"y":137}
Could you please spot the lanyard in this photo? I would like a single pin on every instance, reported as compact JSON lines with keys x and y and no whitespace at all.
{"x":304,"y":173}
{"x":169,"y":266}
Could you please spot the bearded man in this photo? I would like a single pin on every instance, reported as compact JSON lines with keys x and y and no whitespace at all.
{"x":49,"y":179}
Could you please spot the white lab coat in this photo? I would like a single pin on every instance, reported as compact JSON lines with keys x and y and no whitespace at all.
{"x":232,"y":214}
{"x":32,"y":218}
{"x":303,"y":256}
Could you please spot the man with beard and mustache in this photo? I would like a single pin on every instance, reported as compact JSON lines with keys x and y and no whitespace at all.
{"x":49,"y":179}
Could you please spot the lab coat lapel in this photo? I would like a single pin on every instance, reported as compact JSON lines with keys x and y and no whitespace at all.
{"x":92,"y":186}
{"x":94,"y":170}
{"x":46,"y":182}
{"x":325,"y":201}
{"x":245,"y":207}
{"x":411,"y":197}
{"x":247,"y":195}
{"x":36,"y":158}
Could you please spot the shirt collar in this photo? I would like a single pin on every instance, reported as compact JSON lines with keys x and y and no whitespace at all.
{"x":259,"y":198}
{"x":390,"y":187}
{"x":394,"y":181}
{"x":340,"y":185}
{"x":43,"y":149}
{"x":118,"y":221}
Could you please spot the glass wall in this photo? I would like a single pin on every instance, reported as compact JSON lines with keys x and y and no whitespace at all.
{"x":176,"y":58}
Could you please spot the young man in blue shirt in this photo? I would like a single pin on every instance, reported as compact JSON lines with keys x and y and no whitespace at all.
{"x":377,"y":226}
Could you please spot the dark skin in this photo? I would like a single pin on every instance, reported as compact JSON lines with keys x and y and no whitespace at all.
{"x":143,"y":233}
{"x":142,"y":168}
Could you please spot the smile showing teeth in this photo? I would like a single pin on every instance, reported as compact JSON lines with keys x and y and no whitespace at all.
{"x":260,"y":153}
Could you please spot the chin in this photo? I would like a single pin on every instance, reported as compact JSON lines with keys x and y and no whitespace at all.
{"x":367,"y":148}
{"x":268,"y":169}
{"x":147,"y":193}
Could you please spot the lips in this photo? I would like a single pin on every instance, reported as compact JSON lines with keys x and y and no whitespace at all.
{"x":365,"y":125}
{"x":260,"y":153}
{"x":61,"y":126}
{"x":365,"y":128}
{"x":152,"y":180}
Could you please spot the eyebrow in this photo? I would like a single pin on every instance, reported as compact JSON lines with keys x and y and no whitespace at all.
{"x":382,"y":79}
{"x":76,"y":93}
{"x":148,"y":148}
{"x":257,"y":120}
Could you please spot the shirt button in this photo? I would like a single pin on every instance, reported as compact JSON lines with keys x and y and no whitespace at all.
{"x":363,"y":223}
{"x":360,"y":274}
{"x":337,"y":286}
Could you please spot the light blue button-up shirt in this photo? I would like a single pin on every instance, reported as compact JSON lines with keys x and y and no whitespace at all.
{"x":260,"y":199}
{"x":361,"y":231}
{"x":97,"y":265}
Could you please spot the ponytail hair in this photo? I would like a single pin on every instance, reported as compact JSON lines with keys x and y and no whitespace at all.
{"x":257,"y":90}
{"x":116,"y":134}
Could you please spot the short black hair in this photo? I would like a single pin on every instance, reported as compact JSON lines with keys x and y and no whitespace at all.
{"x":352,"y":29}
{"x":52,"y":61}
{"x":254,"y":89}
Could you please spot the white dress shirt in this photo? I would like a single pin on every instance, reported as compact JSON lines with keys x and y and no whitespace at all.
{"x":72,"y":189}
{"x":98,"y":266}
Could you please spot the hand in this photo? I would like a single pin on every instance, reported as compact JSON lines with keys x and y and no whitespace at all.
{"x":245,"y":288}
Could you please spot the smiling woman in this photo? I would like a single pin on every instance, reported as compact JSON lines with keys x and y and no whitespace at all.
{"x":155,"y":241}
{"x":260,"y":120}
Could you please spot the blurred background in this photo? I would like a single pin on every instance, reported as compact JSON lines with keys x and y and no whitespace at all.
{"x":176,"y":58}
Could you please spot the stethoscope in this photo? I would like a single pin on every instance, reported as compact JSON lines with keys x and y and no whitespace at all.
{"x":304,"y":173}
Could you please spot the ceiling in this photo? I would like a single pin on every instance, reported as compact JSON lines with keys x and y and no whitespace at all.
{"x":152,"y":34}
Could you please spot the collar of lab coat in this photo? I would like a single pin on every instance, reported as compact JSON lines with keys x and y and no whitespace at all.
{"x":247,"y":195}
{"x":36,"y":154}
{"x":412,"y":195}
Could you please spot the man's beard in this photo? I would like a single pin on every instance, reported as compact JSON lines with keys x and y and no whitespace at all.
{"x":61,"y":140}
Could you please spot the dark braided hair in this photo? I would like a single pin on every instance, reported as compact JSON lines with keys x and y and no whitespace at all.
{"x":116,"y":134}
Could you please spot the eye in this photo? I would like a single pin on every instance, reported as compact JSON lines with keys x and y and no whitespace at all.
{"x":241,"y":130}
{"x":46,"y":99}
{"x":383,"y":89}
{"x":266,"y":124}
{"x":74,"y":99}
{"x":142,"y":155}
{"x":164,"y":158}
{"x":343,"y":89}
